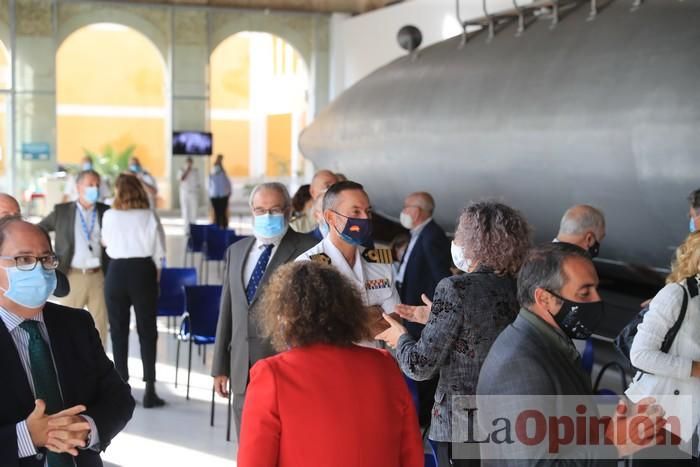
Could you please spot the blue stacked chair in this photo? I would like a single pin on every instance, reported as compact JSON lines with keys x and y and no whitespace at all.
{"x":196,"y":238}
{"x":171,"y":300}
{"x":198,"y":325}
{"x":217,"y":242}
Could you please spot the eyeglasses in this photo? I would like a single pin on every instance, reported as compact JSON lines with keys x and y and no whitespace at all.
{"x":28,"y":263}
{"x":273,"y":211}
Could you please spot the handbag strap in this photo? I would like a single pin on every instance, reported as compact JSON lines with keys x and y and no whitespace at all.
{"x":671,"y":334}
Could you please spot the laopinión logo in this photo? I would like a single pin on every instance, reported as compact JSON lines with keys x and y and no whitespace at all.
{"x":570,"y":427}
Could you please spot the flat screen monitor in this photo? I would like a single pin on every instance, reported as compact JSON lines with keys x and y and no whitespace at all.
{"x":192,"y":143}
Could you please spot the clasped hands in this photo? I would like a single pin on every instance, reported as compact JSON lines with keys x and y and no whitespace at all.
{"x":417,"y":314}
{"x":62,"y":432}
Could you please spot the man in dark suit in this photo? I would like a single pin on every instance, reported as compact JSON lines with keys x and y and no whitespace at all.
{"x":425,"y":263}
{"x":81,"y":257}
{"x":63,"y":401}
{"x":535,"y":356}
{"x":249,"y":265}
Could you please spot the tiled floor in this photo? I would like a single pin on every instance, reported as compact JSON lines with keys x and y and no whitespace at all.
{"x":179,"y":433}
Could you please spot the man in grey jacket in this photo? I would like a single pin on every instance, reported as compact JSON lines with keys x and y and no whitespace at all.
{"x":534,"y":366}
{"x":249,"y":264}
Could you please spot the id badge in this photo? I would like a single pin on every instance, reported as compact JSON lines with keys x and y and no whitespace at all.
{"x":92,"y":263}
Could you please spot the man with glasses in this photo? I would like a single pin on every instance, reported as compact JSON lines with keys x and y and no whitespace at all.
{"x":63,"y":401}
{"x":347,"y":211}
{"x":249,"y":264}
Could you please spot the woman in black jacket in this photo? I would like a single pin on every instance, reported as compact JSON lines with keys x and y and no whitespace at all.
{"x":468,"y":312}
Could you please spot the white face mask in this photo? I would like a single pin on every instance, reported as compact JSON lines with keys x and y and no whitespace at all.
{"x":458,"y":258}
{"x":406,"y":220}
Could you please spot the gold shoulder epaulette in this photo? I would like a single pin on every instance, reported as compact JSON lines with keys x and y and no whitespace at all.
{"x":320,"y":258}
{"x":378,"y":255}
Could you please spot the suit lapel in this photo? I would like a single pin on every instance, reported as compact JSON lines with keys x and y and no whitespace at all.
{"x":238,"y":266}
{"x":58,"y":342}
{"x":15,"y":370}
{"x":283,"y":254}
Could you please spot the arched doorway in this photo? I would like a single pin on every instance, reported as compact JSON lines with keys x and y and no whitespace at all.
{"x":111,"y":98}
{"x":5,"y":114}
{"x":259,"y":87}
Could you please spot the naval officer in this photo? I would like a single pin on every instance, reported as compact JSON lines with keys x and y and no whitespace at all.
{"x":347,"y":211}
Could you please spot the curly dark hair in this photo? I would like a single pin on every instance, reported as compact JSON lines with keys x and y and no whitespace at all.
{"x":494,"y":235}
{"x":310,"y":303}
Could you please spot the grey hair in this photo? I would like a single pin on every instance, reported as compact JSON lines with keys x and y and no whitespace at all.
{"x":276,"y":186}
{"x":425,"y":201}
{"x":330,"y":198}
{"x":543,"y":268}
{"x":85,"y":173}
{"x":582,"y":218}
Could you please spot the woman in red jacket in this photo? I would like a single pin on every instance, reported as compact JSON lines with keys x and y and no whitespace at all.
{"x":324,"y":401}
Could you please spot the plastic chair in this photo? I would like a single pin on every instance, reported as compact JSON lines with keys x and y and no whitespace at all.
{"x":430,"y":457}
{"x":196,"y":237}
{"x":198,"y":326}
{"x":215,"y":245}
{"x":171,"y":300}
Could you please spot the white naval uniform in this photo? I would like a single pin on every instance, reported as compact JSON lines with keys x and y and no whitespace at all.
{"x":376,"y":280}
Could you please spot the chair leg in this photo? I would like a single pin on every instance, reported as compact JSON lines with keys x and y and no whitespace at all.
{"x":199,"y":349}
{"x":228,"y":414}
{"x":204,"y":355}
{"x":189,"y":370}
{"x":211,"y":421}
{"x":177,"y":360}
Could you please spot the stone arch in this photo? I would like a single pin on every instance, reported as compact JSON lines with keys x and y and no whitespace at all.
{"x":299,"y":41}
{"x":106,"y":14}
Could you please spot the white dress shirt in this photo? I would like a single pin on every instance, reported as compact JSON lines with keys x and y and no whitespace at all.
{"x":83,"y":256}
{"x":20,"y":337}
{"x":132,"y":233}
{"x":254,"y":255}
{"x":415,"y":232}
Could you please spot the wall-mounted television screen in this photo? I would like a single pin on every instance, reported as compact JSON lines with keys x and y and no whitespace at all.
{"x":192,"y":143}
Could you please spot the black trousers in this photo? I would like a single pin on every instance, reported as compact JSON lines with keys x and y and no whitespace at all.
{"x":220,"y":206}
{"x":132,"y":281}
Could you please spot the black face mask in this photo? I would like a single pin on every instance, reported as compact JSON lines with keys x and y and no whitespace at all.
{"x":578,"y":320}
{"x":594,"y":249}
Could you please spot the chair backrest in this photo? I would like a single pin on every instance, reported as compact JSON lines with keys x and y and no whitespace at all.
{"x":171,"y":301}
{"x":203,"y":307}
{"x":197,"y":237}
{"x":218,"y":240}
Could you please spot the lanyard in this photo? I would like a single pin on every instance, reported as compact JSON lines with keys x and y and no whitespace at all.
{"x":88,"y":231}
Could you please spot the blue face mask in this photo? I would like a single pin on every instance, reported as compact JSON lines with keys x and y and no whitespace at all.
{"x":323,"y":228}
{"x":32,"y":288}
{"x":269,"y":225}
{"x":357,"y":231}
{"x":92,"y":193}
{"x":87,"y":166}
{"x":135,"y":168}
{"x":692,"y":225}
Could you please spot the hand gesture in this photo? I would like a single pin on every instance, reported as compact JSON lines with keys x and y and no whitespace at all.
{"x":393,"y":333}
{"x":417,"y":314}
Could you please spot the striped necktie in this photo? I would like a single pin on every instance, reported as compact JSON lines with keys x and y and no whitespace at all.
{"x":45,"y":382}
{"x":258,"y":273}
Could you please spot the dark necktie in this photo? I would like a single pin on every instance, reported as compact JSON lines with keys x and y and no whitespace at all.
{"x":258,"y":273}
{"x":45,"y":382}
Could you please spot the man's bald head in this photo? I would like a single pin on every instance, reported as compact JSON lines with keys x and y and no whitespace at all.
{"x":321,"y":181}
{"x":8,"y":206}
{"x":582,"y":225}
